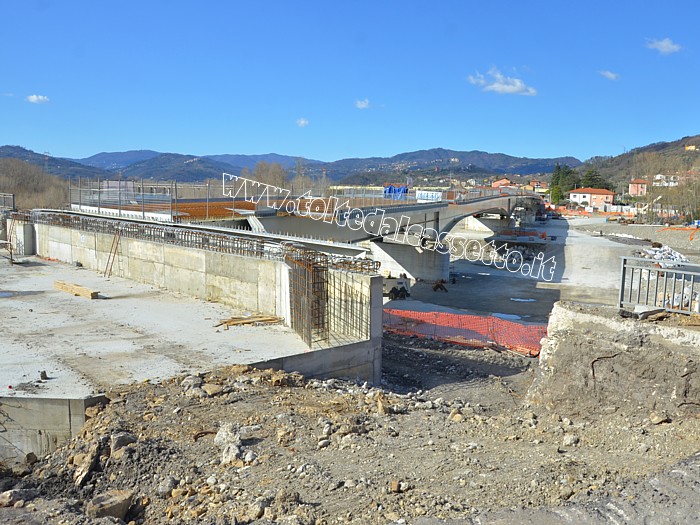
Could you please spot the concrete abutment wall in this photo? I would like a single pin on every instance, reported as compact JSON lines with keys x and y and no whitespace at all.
{"x":260,"y":285}
{"x":417,"y":263}
{"x":241,"y":282}
{"x":594,"y":362}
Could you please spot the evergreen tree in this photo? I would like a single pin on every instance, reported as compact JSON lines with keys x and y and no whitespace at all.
{"x":555,"y":195}
{"x":593,"y":179}
{"x":556,"y":175}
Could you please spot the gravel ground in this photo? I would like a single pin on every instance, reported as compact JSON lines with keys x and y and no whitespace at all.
{"x":449,"y":438}
{"x":679,"y":240}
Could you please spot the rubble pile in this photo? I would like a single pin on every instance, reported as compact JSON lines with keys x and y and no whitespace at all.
{"x":662,"y":253}
{"x":449,"y":436}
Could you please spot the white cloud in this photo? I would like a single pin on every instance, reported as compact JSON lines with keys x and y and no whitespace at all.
{"x":362,"y":104}
{"x":665,"y":46}
{"x":499,"y":83}
{"x":37,"y":99}
{"x":609,"y":74}
{"x":302,"y":122}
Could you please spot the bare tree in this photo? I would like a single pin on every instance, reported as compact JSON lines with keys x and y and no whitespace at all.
{"x":32,"y":187}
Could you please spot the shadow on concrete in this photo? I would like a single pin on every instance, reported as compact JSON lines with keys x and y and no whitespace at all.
{"x":484,"y":289}
{"x":24,"y":263}
{"x":14,"y":293}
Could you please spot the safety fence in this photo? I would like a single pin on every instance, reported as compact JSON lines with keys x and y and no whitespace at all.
{"x":672,"y":285}
{"x":467,"y":329}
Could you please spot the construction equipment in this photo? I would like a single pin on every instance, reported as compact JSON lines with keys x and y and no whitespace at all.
{"x":396,"y":288}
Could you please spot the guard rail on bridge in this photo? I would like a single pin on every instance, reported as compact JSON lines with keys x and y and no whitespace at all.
{"x":671,"y":285}
{"x":187,"y":236}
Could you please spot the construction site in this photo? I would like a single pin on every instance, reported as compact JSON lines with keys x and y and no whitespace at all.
{"x":208,"y":362}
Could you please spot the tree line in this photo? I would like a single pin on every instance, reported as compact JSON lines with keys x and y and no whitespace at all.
{"x":297,"y":181}
{"x":32,"y":187}
{"x":564,"y":179}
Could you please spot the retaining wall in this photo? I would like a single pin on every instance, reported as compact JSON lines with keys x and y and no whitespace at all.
{"x":249,"y":283}
{"x":242,"y":282}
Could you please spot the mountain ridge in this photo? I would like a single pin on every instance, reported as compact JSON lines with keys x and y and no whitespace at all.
{"x":643,"y":161}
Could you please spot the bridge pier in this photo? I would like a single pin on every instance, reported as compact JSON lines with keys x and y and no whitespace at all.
{"x":417,"y":263}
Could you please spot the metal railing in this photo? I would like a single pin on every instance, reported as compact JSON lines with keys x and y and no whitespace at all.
{"x":672,"y":285}
{"x":187,"y":236}
{"x":7,"y":201}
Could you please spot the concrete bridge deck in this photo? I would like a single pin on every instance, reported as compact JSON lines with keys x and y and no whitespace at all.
{"x":132,"y":333}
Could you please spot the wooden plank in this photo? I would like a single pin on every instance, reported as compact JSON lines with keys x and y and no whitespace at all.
{"x":75,"y":289}
{"x":237,"y":321}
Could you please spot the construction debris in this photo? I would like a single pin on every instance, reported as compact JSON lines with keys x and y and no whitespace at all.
{"x":249,"y":319}
{"x":76,"y":289}
{"x":450,"y":437}
{"x":691,"y":320}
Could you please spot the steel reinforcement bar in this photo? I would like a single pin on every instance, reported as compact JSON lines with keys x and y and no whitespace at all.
{"x":187,"y":236}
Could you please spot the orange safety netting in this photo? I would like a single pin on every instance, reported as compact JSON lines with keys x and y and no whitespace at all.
{"x":465,"y":329}
{"x":692,"y":229}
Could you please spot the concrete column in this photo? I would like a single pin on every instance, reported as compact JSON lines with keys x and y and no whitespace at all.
{"x":417,"y":263}
{"x":24,"y":239}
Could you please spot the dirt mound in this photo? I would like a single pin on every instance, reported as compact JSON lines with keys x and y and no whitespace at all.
{"x":449,"y":437}
{"x":595,"y":362}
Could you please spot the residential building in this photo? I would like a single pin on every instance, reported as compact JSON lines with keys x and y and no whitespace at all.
{"x":638,"y":187}
{"x":666,"y":181}
{"x":596,"y":197}
{"x":501,"y":182}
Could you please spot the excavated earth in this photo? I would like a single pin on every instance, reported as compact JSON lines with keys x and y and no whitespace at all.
{"x":454,"y":435}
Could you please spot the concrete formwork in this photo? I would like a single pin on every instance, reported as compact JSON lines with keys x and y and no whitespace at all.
{"x":23,"y":239}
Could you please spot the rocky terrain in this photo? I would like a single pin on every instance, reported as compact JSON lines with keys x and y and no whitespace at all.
{"x":452,"y":436}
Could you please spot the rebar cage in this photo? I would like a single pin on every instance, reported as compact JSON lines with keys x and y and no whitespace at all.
{"x":308,"y":294}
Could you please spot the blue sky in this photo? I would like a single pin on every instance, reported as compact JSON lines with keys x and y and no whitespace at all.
{"x":330,"y":80}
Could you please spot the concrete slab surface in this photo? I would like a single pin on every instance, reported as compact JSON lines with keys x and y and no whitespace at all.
{"x":587,"y":270}
{"x":132,"y":332}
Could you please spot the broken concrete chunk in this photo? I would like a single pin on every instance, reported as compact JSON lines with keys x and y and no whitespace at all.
{"x":191,"y":382}
{"x":86,"y":466}
{"x":166,"y":487}
{"x":10,"y":497}
{"x":229,"y":441}
{"x":212,"y":389}
{"x":658,"y":418}
{"x":120,"y":440}
{"x":570,"y":440}
{"x":113,"y":503}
